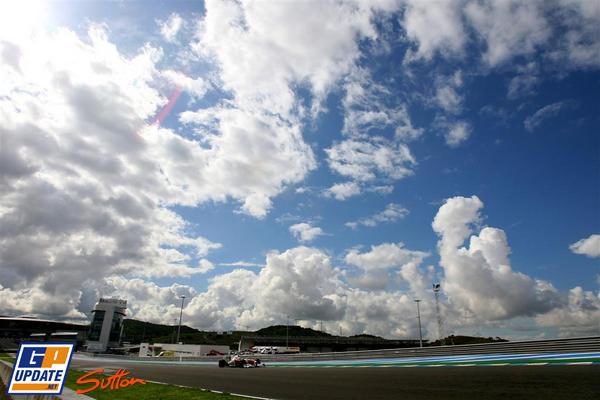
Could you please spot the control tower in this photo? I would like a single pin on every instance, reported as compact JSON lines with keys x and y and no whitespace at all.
{"x":105,"y":329}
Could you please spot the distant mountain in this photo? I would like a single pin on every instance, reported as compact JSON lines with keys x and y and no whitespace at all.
{"x":364,"y":335}
{"x":456,"y":340}
{"x":135,"y":331}
{"x":294,"y":330}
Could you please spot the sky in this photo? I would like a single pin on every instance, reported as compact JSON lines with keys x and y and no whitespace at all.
{"x":304,"y":161}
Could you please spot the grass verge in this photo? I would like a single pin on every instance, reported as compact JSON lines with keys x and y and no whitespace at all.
{"x":152,"y":391}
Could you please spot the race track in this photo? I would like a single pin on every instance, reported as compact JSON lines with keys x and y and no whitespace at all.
{"x":470,"y":382}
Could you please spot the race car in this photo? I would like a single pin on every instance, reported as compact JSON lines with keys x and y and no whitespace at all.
{"x":239,"y":362}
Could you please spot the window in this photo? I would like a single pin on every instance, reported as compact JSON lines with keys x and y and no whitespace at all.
{"x":96,"y":325}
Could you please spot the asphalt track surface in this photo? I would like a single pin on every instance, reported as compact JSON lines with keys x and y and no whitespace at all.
{"x":475,"y":382}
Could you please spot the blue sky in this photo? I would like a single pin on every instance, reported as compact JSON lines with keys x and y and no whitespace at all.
{"x":334,"y":158}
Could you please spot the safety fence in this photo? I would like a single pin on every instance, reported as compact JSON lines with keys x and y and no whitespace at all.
{"x":573,"y":345}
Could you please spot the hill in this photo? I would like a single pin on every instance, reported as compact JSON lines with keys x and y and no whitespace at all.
{"x":294,"y":330}
{"x":135,"y":331}
{"x":456,"y":340}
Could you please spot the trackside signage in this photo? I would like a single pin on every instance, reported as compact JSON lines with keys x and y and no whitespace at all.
{"x":40,"y":368}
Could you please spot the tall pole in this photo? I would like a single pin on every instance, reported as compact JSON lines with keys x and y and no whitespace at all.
{"x":419,"y":318}
{"x":180,"y":315}
{"x":174,"y":330}
{"x":436,"y":290}
{"x":287,"y":332}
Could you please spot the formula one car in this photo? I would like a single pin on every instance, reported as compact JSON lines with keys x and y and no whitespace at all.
{"x":239,"y":362}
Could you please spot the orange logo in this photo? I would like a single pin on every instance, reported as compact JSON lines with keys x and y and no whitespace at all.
{"x":117,"y":381}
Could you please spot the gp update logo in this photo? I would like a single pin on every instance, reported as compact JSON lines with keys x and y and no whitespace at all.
{"x":40,"y":368}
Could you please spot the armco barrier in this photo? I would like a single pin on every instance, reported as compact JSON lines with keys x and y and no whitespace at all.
{"x":574,"y":345}
{"x":587,"y":344}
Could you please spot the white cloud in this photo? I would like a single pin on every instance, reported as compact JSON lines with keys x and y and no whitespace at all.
{"x":479,"y":277}
{"x":524,"y":83}
{"x":366,"y":107}
{"x":366,"y":160}
{"x":508,"y":28}
{"x":563,"y":32}
{"x":392,"y":213}
{"x":305,"y":232}
{"x":204,"y":266}
{"x":447,"y":96}
{"x":456,"y":132}
{"x":262,"y":54}
{"x":448,"y":37}
{"x":146,"y":300}
{"x":196,"y":88}
{"x":83,"y":181}
{"x":301,"y":283}
{"x":262,"y":49}
{"x":536,"y":119}
{"x":384,"y":256}
{"x":241,"y":264}
{"x":579,"y":317}
{"x":171,"y":27}
{"x":589,"y":246}
{"x":343,"y":191}
{"x":580,"y":44}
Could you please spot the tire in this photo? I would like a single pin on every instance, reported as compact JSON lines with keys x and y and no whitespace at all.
{"x":222,"y":363}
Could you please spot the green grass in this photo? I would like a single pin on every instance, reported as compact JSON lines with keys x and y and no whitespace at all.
{"x":6,"y":357}
{"x":153,"y":391}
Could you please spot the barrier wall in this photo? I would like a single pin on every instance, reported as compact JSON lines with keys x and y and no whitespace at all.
{"x":586,"y":344}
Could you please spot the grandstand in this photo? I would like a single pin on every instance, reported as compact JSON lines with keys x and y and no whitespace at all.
{"x":14,"y":330}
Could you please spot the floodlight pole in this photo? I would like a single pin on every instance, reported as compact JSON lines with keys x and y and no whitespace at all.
{"x":419,"y":319}
{"x":180,"y":315}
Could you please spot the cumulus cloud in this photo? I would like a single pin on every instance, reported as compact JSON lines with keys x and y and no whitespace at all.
{"x":342,"y":191}
{"x":146,"y":300}
{"x":479,"y":277}
{"x":508,"y":28}
{"x":262,"y":54}
{"x":300,"y":283}
{"x":383,"y":262}
{"x":447,"y":96}
{"x":87,"y":184}
{"x":171,"y":27}
{"x":589,"y":246}
{"x":384,"y":256}
{"x":579,"y":317}
{"x":305,"y":232}
{"x":392,"y":213}
{"x":366,"y":107}
{"x":455,"y":132}
{"x":580,"y":44}
{"x":448,"y":38}
{"x":563,"y":32}
{"x":369,"y":159}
